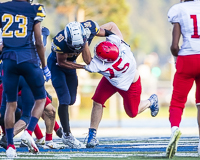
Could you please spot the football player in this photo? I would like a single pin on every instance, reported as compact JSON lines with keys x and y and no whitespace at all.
{"x":19,"y":19}
{"x":185,"y":18}
{"x":115,"y":61}
{"x":67,"y":45}
{"x":25,"y":105}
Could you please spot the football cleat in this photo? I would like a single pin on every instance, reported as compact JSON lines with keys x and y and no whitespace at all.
{"x":154,"y":107}
{"x":11,"y":152}
{"x":53,"y":145}
{"x":92,"y":141}
{"x":173,"y":143}
{"x":28,"y":140}
{"x":3,"y":142}
{"x":59,"y":132}
{"x":40,"y":141}
{"x":72,"y":142}
{"x":22,"y":144}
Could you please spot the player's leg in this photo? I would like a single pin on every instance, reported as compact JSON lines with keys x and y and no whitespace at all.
{"x":144,"y":104}
{"x":197,"y":81}
{"x":40,"y":139}
{"x":58,"y":129}
{"x":34,"y":78}
{"x":131,"y":99}
{"x":103,"y":91}
{"x":10,"y":85}
{"x":49,"y":118}
{"x":183,"y":81}
{"x":25,"y":103}
{"x":72,"y":84}
{"x":3,"y":141}
{"x":198,"y":120}
{"x":59,"y":83}
{"x":55,"y":71}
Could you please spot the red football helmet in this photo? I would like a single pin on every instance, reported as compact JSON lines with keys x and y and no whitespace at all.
{"x":106,"y":51}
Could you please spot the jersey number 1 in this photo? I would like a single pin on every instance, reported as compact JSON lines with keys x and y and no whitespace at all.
{"x":194,"y":18}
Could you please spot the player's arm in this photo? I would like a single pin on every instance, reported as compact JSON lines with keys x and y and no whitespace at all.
{"x":176,"y":33}
{"x":112,"y":27}
{"x":39,"y":44}
{"x":86,"y":54}
{"x":62,"y":62}
{"x":1,"y":47}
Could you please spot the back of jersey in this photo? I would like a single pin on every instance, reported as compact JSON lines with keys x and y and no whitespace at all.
{"x":187,"y":14}
{"x":18,"y":19}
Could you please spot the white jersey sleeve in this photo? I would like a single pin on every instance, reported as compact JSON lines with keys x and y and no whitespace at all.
{"x":173,"y":14}
{"x":93,"y":66}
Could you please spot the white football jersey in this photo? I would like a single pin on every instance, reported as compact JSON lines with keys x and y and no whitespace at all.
{"x":121,"y":72}
{"x":1,"y":37}
{"x":187,"y":14}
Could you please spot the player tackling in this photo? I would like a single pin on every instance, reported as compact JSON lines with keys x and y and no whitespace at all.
{"x":115,"y":61}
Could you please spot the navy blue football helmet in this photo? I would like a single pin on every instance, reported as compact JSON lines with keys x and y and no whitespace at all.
{"x":75,"y":36}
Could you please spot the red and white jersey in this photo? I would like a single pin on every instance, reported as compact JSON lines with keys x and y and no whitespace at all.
{"x":121,"y":72}
{"x":187,"y":14}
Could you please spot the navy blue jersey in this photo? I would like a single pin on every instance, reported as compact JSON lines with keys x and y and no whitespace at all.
{"x":59,"y":45}
{"x":17,"y":19}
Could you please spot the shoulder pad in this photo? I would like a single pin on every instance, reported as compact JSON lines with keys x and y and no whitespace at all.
{"x":114,"y":39}
{"x":97,"y":27}
{"x":173,"y":14}
{"x":41,"y":14}
{"x":55,"y":48}
{"x":91,"y":26}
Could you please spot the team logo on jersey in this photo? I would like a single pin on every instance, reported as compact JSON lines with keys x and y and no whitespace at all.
{"x":60,"y":37}
{"x":87,"y":24}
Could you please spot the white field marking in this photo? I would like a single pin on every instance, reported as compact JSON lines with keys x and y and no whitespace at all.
{"x":69,"y":156}
{"x":74,"y":155}
{"x":147,"y":145}
{"x":163,"y":155}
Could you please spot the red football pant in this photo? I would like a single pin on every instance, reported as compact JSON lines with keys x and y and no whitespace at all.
{"x":131,"y":98}
{"x":188,"y":71}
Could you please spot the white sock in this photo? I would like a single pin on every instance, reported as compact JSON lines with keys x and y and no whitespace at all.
{"x":174,"y":128}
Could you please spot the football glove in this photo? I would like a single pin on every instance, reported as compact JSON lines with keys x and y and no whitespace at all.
{"x":46,"y":73}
